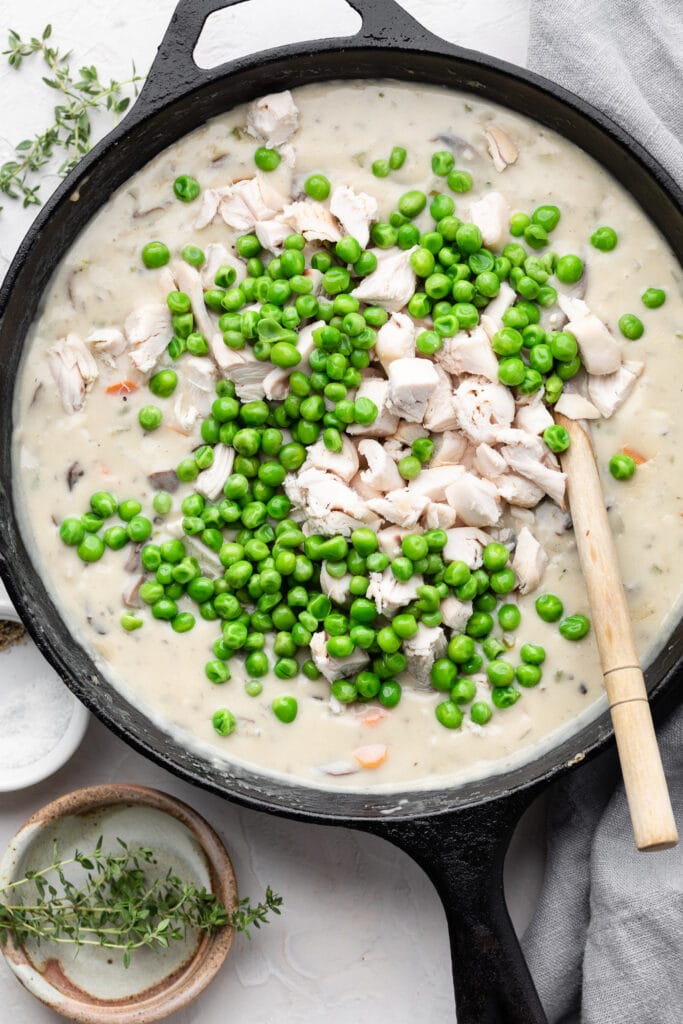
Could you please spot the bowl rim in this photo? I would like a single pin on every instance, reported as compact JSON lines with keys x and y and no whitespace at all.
{"x":185,"y":983}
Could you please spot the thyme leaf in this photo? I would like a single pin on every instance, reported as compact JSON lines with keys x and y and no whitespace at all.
{"x":81,"y":94}
{"x":117,"y":903}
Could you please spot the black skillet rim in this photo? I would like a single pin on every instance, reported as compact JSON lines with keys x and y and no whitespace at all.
{"x":253,"y":789}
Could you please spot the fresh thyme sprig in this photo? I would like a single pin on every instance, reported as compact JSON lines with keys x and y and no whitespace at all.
{"x":81,"y":94}
{"x":117,"y":905}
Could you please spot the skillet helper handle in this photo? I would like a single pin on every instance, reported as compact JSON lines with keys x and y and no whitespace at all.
{"x":383,"y":23}
{"x":652,"y":816}
{"x":463,"y":853}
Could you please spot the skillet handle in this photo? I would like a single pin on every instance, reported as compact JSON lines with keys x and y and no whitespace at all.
{"x":384,"y":24}
{"x":463,"y":853}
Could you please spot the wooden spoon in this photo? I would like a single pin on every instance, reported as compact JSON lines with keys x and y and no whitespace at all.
{"x":646,"y":790}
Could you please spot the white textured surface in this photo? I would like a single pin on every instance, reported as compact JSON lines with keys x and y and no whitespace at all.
{"x":363,"y":935}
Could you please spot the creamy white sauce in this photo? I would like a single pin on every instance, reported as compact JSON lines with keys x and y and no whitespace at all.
{"x":344,"y":127}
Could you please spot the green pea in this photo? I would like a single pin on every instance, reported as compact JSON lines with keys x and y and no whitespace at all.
{"x":460,"y":181}
{"x":479,"y":624}
{"x":509,"y":617}
{"x":155,"y":254}
{"x":402,"y":568}
{"x":139,"y":528}
{"x":414,"y":546}
{"x":404,"y":625}
{"x":503,"y":582}
{"x":163,"y":383}
{"x":381,"y":168}
{"x":266,"y":159}
{"x":528,"y":675}
{"x":622,"y":466}
{"x":285,"y":709}
{"x":604,"y":238}
{"x":115,"y":537}
{"x":549,"y":607}
{"x":409,"y":467}
{"x":464,"y":690}
{"x":367,"y":684}
{"x":364,"y":541}
{"x":344,"y":691}
{"x":317,"y":186}
{"x":480,"y":712}
{"x":505,"y":696}
{"x":448,"y":714}
{"x":397,"y":158}
{"x":224,"y":722}
{"x":72,"y":531}
{"x":444,"y":674}
{"x":495,"y":556}
{"x":631,"y":326}
{"x":460,"y":648}
{"x":443,"y":163}
{"x":500,"y":672}
{"x":91,"y":548}
{"x":389,"y":693}
{"x":653,"y":298}
{"x":412,"y":203}
{"x":574,"y":627}
{"x":492,"y":647}
{"x":536,"y":236}
{"x":563,"y":346}
{"x":388,"y":641}
{"x":557,"y":438}
{"x":311,"y":670}
{"x":519,"y":222}
{"x":569,"y":269}
{"x":457,"y":573}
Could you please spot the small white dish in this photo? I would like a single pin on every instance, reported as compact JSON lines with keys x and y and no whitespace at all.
{"x":23,"y":670}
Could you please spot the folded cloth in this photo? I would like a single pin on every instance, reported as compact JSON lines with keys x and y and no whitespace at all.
{"x":605,"y":943}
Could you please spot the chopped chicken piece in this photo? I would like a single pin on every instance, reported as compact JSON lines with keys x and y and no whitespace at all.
{"x":576,"y":407}
{"x":148,"y":331}
{"x":475,"y":500}
{"x":501,"y":147}
{"x":274,"y":118}
{"x":390,"y":540}
{"x":316,"y":277}
{"x":276,"y":382}
{"x":246,"y":372}
{"x":422,"y":650}
{"x":440,"y":414}
{"x":335,"y":668}
{"x":533,"y":418}
{"x":364,"y":490}
{"x":455,"y":613}
{"x":411,"y":382}
{"x":514,"y":437}
{"x":438,"y":516}
{"x":318,"y":492}
{"x":483,"y":409}
{"x":466,"y":544}
{"x":600,"y":351}
{"x":406,"y":432}
{"x":488,"y":462}
{"x":195,"y":395}
{"x":211,"y":481}
{"x":491,"y":214}
{"x":248,"y":201}
{"x":377,"y":391}
{"x":389,"y":594}
{"x":217,"y":256}
{"x":107,"y":343}
{"x":354,"y":211}
{"x":211,"y":200}
{"x":611,"y":390}
{"x":519,"y":491}
{"x":335,"y":522}
{"x":524,"y":462}
{"x":529,"y":561}
{"x":449,"y":449}
{"x":432,"y":482}
{"x":395,"y":339}
{"x":188,"y":280}
{"x":381,"y":474}
{"x":336,"y":589}
{"x":74,"y":371}
{"x":401,"y":506}
{"x":271,"y":234}
{"x":492,"y":317}
{"x":392,"y":284}
{"x":312,"y":220}
{"x":469,"y":353}
{"x":343,"y":464}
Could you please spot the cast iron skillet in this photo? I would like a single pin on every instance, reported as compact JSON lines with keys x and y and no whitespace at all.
{"x":460,"y":835}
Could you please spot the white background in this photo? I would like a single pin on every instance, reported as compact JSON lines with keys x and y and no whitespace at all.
{"x":363,"y":936}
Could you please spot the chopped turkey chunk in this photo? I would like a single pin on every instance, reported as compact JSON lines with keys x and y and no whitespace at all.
{"x":533,"y":418}
{"x":455,"y":613}
{"x":491,"y":214}
{"x":438,"y":516}
{"x":433,"y":481}
{"x":381,"y":474}
{"x":518,"y":491}
{"x":389,"y":594}
{"x":148,"y":331}
{"x":422,"y":650}
{"x":529,"y":561}
{"x":469,"y":353}
{"x":483,"y":409}
{"x":107,"y":343}
{"x":274,"y":118}
{"x":411,"y":383}
{"x":377,"y":391}
{"x":247,"y":201}
{"x":576,"y":407}
{"x":188,"y":280}
{"x":211,"y":481}
{"x":524,"y":462}
{"x":217,"y":256}
{"x":395,"y":339}
{"x":336,"y":588}
{"x":449,"y":449}
{"x":392,"y":284}
{"x":475,"y":501}
{"x":343,"y":464}
{"x":74,"y":371}
{"x":440,"y":414}
{"x":312,"y":220}
{"x":402,"y":507}
{"x":600,"y":351}
{"x":335,"y":668}
{"x":466,"y":544}
{"x":354,"y":211}
{"x":611,"y":390}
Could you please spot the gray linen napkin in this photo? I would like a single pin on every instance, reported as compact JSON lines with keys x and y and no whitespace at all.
{"x":605,"y":944}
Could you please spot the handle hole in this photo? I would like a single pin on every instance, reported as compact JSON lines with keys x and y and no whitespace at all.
{"x":261,"y":24}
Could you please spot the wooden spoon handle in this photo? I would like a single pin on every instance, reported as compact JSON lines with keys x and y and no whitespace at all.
{"x":652,"y":817}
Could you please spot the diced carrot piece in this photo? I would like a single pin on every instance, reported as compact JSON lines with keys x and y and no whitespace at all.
{"x":371,"y":756}
{"x":122,"y":387}
{"x":372,"y":716}
{"x":636,"y":456}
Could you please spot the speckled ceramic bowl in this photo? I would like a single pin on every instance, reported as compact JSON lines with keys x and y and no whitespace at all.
{"x":94,"y":987}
